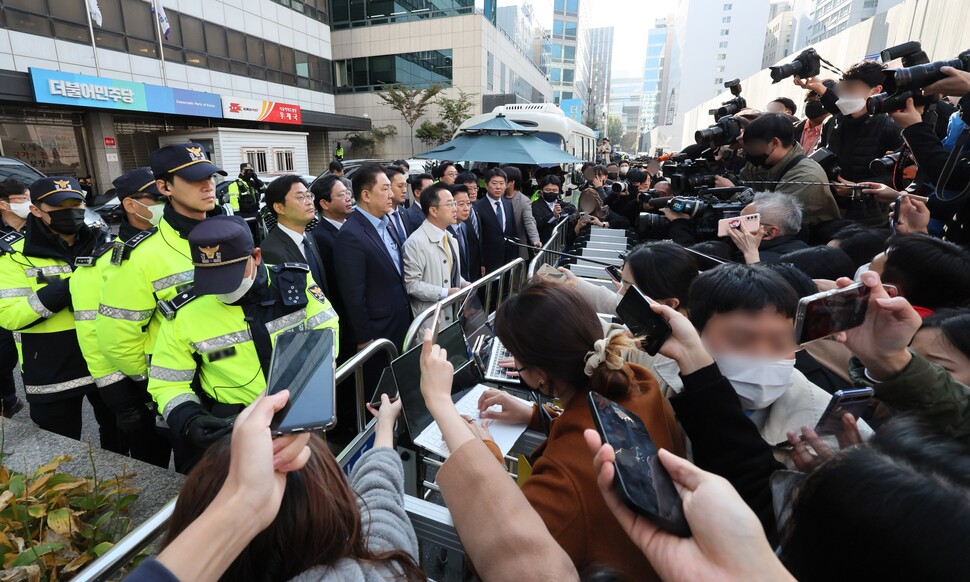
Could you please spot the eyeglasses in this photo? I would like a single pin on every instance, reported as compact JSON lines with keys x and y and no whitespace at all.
{"x":303,"y":198}
{"x":451,"y":204}
{"x":451,"y":174}
{"x":345,"y":194}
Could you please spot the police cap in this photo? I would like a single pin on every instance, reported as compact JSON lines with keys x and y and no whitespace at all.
{"x":185,"y":160}
{"x":55,"y":190}
{"x":220,"y":248}
{"x":140,"y":181}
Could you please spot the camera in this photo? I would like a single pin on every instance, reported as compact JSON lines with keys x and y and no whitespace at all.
{"x":688,"y":176}
{"x":645,"y":197}
{"x":620,"y":186}
{"x":731,"y":106}
{"x":912,"y":55}
{"x":807,"y":64}
{"x":829,"y":161}
{"x":704,"y":211}
{"x":916,"y":77}
{"x":726,"y":131}
{"x":885,"y":164}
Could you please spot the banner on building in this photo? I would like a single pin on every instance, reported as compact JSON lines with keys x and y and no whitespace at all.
{"x":60,"y":88}
{"x":573,"y":108}
{"x":255,"y":110}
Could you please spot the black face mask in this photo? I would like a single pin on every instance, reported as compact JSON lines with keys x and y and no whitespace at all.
{"x":67,"y":221}
{"x":613,"y":176}
{"x":550,"y":196}
{"x":814,"y":109}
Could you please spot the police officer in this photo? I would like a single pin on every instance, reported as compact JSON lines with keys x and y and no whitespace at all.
{"x":220,"y":335}
{"x":128,"y":399}
{"x":35,"y":300}
{"x":14,"y":210}
{"x":245,"y":192}
{"x":155,"y":264}
{"x":338,"y":152}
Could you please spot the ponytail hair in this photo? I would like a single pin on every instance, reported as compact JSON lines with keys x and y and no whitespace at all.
{"x":552,"y":327}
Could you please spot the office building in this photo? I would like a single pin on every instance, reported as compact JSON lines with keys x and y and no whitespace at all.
{"x":570,"y":62}
{"x":655,"y":77}
{"x":70,"y":104}
{"x":816,"y":20}
{"x":448,"y":43}
{"x":626,"y":95}
{"x":601,"y":63}
{"x":778,"y":38}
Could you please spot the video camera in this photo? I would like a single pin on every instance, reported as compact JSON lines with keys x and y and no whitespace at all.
{"x":912,"y":55}
{"x":689,"y":176}
{"x":704,"y":210}
{"x":731,"y":106}
{"x":914,"y":78}
{"x":806,"y":65}
{"x":724,"y":132}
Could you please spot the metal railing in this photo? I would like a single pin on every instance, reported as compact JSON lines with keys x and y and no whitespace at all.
{"x":496,"y":287}
{"x":556,"y":243}
{"x":139,"y":538}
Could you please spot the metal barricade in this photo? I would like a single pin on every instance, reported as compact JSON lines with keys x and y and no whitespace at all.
{"x":556,"y":244}
{"x":139,"y":538}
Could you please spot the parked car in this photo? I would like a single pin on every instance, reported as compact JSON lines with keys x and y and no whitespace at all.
{"x":14,"y":168}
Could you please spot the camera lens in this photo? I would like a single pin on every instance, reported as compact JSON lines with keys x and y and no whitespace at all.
{"x":708,"y":134}
{"x":784,"y":71}
{"x":652,"y":226}
{"x":618,"y":187}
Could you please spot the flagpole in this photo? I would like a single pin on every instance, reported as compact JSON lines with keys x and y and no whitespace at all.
{"x":161,"y":49}
{"x":94,"y":46}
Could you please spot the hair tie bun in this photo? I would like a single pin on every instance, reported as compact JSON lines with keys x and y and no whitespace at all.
{"x":608,"y":351}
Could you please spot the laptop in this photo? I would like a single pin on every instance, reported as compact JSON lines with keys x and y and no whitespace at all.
{"x":481,"y":338}
{"x":423,"y":429}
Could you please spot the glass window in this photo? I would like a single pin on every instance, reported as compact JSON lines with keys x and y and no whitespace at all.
{"x":32,"y":6}
{"x":143,"y":48}
{"x":572,"y":6}
{"x":567,"y":75}
{"x":138,"y":19}
{"x":557,"y":27}
{"x":556,"y":51}
{"x":174,"y":35}
{"x":237,"y":45}
{"x":72,"y":32}
{"x":195,"y":59}
{"x":569,"y":53}
{"x":272,"y":52}
{"x":28,"y":23}
{"x":555,"y":74}
{"x":215,"y":40}
{"x":254,"y":50}
{"x":217,"y":64}
{"x":109,"y":40}
{"x":111,"y":17}
{"x":560,"y":5}
{"x":570,"y":31}
{"x":287,"y":60}
{"x":302,"y":64}
{"x":193,"y":34}
{"x":567,"y":95}
{"x":66,"y":10}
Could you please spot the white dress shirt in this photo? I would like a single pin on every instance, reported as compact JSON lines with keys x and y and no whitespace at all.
{"x":296,"y":236}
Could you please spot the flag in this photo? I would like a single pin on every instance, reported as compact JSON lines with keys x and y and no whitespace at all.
{"x":95,"y":11}
{"x":159,"y":12}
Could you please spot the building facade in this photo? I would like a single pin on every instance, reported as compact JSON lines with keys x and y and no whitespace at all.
{"x":655,"y":79}
{"x":816,"y":20}
{"x":778,"y":38}
{"x":73,"y":104}
{"x":626,"y":99}
{"x":569,"y":65}
{"x":601,"y":63}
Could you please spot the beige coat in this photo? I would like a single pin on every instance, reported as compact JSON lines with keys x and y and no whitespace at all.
{"x":426,"y":269}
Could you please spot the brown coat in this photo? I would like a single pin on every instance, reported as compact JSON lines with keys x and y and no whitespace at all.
{"x":502,"y":535}
{"x":563,"y":489}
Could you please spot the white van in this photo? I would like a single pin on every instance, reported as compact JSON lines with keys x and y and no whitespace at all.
{"x":551,"y":125}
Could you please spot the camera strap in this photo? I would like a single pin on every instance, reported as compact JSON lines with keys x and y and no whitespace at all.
{"x":788,"y":167}
{"x":951,"y":164}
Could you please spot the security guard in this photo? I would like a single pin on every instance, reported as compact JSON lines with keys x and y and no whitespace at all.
{"x":213,"y":355}
{"x":155,"y":264}
{"x":127,"y":398}
{"x":35,"y":301}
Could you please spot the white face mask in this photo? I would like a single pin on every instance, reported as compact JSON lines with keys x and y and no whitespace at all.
{"x":155,"y":213}
{"x":21,"y":209}
{"x":244,"y":286}
{"x":849,"y":106}
{"x":758,"y":381}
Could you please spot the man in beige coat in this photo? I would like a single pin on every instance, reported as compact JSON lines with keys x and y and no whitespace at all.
{"x":432,"y":267}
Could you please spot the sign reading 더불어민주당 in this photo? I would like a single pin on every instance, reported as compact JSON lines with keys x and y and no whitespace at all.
{"x":61,"y":88}
{"x":255,"y":110}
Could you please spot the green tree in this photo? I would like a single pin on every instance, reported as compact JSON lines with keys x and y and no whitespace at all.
{"x":456,"y":111}
{"x":614,"y":130}
{"x":412,"y":104}
{"x":369,"y":144}
{"x":432,"y":134}
{"x":593,"y":123}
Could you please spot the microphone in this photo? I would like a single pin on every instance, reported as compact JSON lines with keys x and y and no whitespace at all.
{"x":516,"y":242}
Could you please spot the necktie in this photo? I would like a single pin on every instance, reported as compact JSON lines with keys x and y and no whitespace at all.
{"x":452,"y":261}
{"x":313,"y":261}
{"x":498,"y":214}
{"x":475,"y":227}
{"x":402,"y":235}
{"x":459,"y":233}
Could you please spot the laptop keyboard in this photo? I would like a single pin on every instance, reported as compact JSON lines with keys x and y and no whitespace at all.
{"x":495,"y":372}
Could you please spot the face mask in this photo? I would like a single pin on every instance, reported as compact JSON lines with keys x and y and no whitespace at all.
{"x":851,"y":105}
{"x":613,"y":176}
{"x":814,"y":109}
{"x":550,"y":197}
{"x":154,"y":213}
{"x":244,"y":286}
{"x":67,"y":221}
{"x":624,"y":170}
{"x":21,"y":209}
{"x":758,"y":381}
{"x":760,"y":160}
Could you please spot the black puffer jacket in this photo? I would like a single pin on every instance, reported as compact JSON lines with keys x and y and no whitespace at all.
{"x":858,"y":141}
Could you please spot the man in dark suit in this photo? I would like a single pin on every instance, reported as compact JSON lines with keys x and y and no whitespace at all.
{"x":367,"y":257}
{"x":413,"y":216}
{"x":288,"y":198}
{"x":548,"y":210}
{"x":335,"y":202}
{"x":497,"y":221}
{"x":460,"y":231}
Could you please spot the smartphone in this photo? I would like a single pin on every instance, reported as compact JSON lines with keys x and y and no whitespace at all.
{"x":385,"y":385}
{"x":895,"y":217}
{"x":436,"y":323}
{"x":614,"y":272}
{"x":830,"y":312}
{"x":749,"y":222}
{"x":551,"y":272}
{"x":854,"y":402}
{"x":641,"y":480}
{"x":583,"y":215}
{"x":634,"y":311}
{"x":303,"y":363}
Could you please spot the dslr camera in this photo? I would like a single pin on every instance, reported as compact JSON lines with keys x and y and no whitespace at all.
{"x":829,"y":161}
{"x":806,"y":65}
{"x":688,"y":176}
{"x":724,"y":132}
{"x":620,"y":186}
{"x":704,"y":211}
{"x":908,"y":82}
{"x":731,"y":106}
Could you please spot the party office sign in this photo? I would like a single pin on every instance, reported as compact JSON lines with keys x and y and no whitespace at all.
{"x":61,"y":88}
{"x":255,"y":110}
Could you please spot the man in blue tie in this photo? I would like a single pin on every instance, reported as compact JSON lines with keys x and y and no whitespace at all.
{"x":496,"y":221}
{"x":399,"y":193}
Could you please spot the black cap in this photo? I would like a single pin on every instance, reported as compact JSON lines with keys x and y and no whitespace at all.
{"x":220,"y":246}
{"x":185,"y":160}
{"x":245,"y":166}
{"x":139,"y":181}
{"x":55,"y":189}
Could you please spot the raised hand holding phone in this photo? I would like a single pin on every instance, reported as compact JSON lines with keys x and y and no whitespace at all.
{"x":684,"y":345}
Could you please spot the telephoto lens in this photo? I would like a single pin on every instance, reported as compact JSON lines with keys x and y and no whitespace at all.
{"x":619,"y":187}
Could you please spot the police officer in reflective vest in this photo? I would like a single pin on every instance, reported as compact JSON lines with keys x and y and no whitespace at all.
{"x":35,"y":303}
{"x":213,"y":354}
{"x":127,"y":398}
{"x":245,"y":191}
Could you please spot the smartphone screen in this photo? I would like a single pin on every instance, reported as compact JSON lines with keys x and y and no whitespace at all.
{"x":641,"y":480}
{"x":830,"y":312}
{"x":854,"y":402}
{"x":614,"y":273}
{"x":303,"y":363}
{"x":634,"y":311}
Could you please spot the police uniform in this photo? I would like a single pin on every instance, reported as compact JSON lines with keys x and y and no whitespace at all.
{"x":211,"y":358}
{"x":35,"y":303}
{"x":10,"y":404}
{"x":126,"y":398}
{"x":248,"y":191}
